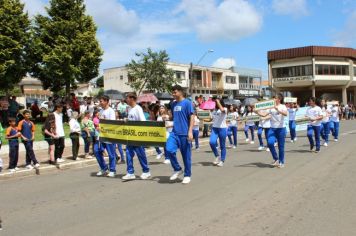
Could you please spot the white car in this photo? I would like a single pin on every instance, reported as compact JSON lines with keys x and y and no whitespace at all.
{"x":44,"y":106}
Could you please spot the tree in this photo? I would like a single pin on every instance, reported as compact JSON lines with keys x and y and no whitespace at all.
{"x":64,"y":48}
{"x":14,"y":42}
{"x":100,"y":82}
{"x":150,"y":72}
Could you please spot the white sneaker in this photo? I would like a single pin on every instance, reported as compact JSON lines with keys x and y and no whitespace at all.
{"x":16,"y":168}
{"x":145,"y":175}
{"x":186,"y":180}
{"x":267,"y":150}
{"x":247,"y":140}
{"x":276,"y":144}
{"x":280,"y":165}
{"x":129,"y":177}
{"x":60,"y":160}
{"x":325,"y":144}
{"x":159,"y":156}
{"x":295,"y":139}
{"x":229,"y":146}
{"x":167,"y":161}
{"x":88,"y":157}
{"x":336,"y":140}
{"x":234,"y":147}
{"x":292,"y":141}
{"x":261,"y":148}
{"x":111,"y":174}
{"x":275,"y":163}
{"x":220,"y":164}
{"x":102,"y":172}
{"x":37,"y":166}
{"x":197,"y":149}
{"x":175,"y":175}
{"x":12,"y":170}
{"x":216,"y":161}
{"x":252,"y":142}
{"x":29,"y":167}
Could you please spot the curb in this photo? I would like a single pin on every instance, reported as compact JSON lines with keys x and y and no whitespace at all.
{"x":68,"y":164}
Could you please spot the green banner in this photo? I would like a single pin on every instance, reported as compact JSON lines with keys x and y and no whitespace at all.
{"x":264,"y":105}
{"x":203,"y":115}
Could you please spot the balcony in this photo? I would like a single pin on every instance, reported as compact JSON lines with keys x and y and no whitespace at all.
{"x":249,"y":86}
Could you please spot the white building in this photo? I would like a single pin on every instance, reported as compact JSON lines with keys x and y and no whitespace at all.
{"x":204,"y":80}
{"x":328,"y":72}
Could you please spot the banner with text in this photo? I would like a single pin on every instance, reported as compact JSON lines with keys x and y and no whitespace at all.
{"x":264,"y":105}
{"x":135,"y":133}
{"x":290,"y":100}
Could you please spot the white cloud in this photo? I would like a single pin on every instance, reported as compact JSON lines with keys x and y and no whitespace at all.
{"x":296,"y":8}
{"x":34,"y":7}
{"x":347,"y":36}
{"x":224,"y":63}
{"x":228,"y":20}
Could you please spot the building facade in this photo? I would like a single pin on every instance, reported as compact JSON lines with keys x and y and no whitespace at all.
{"x":327,"y":72}
{"x":196,"y":80}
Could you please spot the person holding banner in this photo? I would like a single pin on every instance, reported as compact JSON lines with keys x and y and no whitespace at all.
{"x":106,"y":113}
{"x":315,"y":115}
{"x":182,"y":134}
{"x":219,"y":131}
{"x":249,"y":124}
{"x":264,"y":125}
{"x":232,"y":130}
{"x":292,"y":111}
{"x":135,"y":113}
{"x":335,"y":121}
{"x":277,"y":131}
{"x":325,"y":124}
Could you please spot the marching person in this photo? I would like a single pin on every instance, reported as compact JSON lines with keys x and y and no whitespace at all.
{"x":182,"y":134}
{"x":233,"y":124}
{"x":325,"y":124}
{"x":277,"y":131}
{"x":292,"y":111}
{"x":219,"y":131}
{"x":163,"y":116}
{"x":249,"y":124}
{"x":196,"y":131}
{"x":107,"y":113}
{"x":135,"y":113}
{"x":335,"y":121}
{"x":264,"y":125}
{"x":315,"y":115}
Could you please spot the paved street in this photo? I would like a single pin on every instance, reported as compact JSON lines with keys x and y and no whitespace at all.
{"x":313,"y":195}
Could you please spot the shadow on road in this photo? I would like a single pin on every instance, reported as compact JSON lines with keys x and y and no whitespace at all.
{"x":203,"y":163}
{"x":165,"y":180}
{"x":256,"y":164}
{"x":299,"y":151}
{"x":93,"y":174}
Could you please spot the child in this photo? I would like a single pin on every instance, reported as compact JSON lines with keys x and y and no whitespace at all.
{"x":196,"y":131}
{"x":74,"y":134}
{"x":49,"y":132}
{"x":249,"y":125}
{"x":12,"y":135}
{"x":1,"y":130}
{"x":88,"y":129}
{"x":27,"y":130}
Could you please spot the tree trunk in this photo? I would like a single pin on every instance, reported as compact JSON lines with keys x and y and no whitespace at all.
{"x":67,"y":88}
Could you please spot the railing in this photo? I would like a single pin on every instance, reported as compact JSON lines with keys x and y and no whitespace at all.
{"x":249,"y":86}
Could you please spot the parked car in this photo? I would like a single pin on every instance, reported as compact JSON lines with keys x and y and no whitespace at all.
{"x":44,"y":106}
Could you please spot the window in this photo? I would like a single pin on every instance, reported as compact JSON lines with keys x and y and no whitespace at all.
{"x":292,"y":71}
{"x":331,"y":69}
{"x":180,"y":75}
{"x":230,"y":79}
{"x":121,"y":77}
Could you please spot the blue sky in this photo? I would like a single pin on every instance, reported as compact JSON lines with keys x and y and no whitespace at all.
{"x":240,"y":32}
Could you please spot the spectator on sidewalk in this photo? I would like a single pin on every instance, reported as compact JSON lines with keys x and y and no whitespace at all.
{"x":4,"y":108}
{"x":1,"y":131}
{"x":13,"y":107}
{"x":35,"y":110}
{"x":59,"y":141}
{"x":13,"y":136}
{"x":27,"y":129}
{"x":74,"y":103}
{"x":87,"y":131}
{"x":49,"y":132}
{"x":122,"y":108}
{"x":74,"y":134}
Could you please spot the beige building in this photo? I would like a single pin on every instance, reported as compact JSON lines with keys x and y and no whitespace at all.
{"x":204,"y":80}
{"x":32,"y":88}
{"x":328,"y":72}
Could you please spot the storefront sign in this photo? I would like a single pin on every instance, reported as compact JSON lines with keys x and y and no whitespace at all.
{"x":264,"y":105}
{"x":249,"y":92}
{"x":302,"y":78}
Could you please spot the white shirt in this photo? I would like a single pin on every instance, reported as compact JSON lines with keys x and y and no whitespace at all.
{"x":219,"y":118}
{"x":83,"y":108}
{"x":108,"y":114}
{"x":196,"y":123}
{"x":335,"y":114}
{"x":313,"y":113}
{"x":326,"y":114}
{"x":277,"y":119}
{"x":70,"y":113}
{"x":74,"y":126}
{"x":136,"y":113}
{"x":265,"y":123}
{"x":59,"y":124}
{"x":250,"y":122}
{"x":234,"y":116}
{"x":292,"y":112}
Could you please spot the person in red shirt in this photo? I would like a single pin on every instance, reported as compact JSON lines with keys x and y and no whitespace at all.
{"x":75,"y":103}
{"x":35,"y":110}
